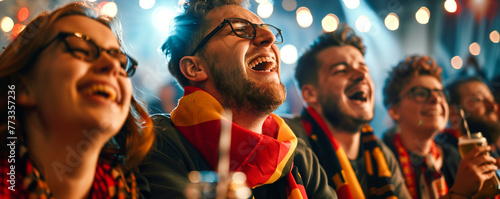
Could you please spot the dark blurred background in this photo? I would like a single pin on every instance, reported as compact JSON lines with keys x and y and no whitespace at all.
{"x":462,"y":35}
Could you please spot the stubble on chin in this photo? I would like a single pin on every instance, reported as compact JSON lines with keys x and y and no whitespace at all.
{"x":265,"y":97}
{"x":240,"y":93}
{"x":255,"y":97}
{"x":340,"y":120}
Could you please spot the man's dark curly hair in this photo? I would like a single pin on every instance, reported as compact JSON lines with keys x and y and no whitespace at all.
{"x":187,"y":30}
{"x":308,"y":64}
{"x":401,"y":75}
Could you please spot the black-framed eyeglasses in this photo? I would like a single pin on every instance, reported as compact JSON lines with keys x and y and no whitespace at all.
{"x":84,"y":48}
{"x":242,"y":28}
{"x":422,"y":94}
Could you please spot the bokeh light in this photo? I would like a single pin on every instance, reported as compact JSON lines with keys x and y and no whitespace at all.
{"x":474,"y":49}
{"x":480,"y":7}
{"x":17,"y":29}
{"x":100,"y":5}
{"x":363,"y":24}
{"x":23,"y":14}
{"x":7,"y":24}
{"x":423,"y":15}
{"x":261,"y":1}
{"x":450,"y":6}
{"x":456,"y":62}
{"x":392,"y":21}
{"x":289,"y":5}
{"x":330,"y":22}
{"x":162,"y":17}
{"x":494,"y":36}
{"x":265,"y":10}
{"x":289,"y":54}
{"x":146,"y":4}
{"x":304,"y":17}
{"x":109,"y":9}
{"x":351,"y":4}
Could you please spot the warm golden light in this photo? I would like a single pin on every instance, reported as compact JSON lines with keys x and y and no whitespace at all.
{"x":330,"y":22}
{"x":392,"y":21}
{"x":423,"y":15}
{"x":474,"y":49}
{"x":304,"y":17}
{"x":450,"y":6}
{"x":265,"y":10}
{"x":494,"y":36}
{"x":109,"y":9}
{"x":363,"y":23}
{"x":456,"y":62}
{"x":7,"y":24}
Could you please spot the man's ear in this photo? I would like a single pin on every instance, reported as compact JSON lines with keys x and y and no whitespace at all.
{"x":24,"y":93}
{"x":193,"y":68}
{"x":309,"y":93}
{"x":394,"y":112}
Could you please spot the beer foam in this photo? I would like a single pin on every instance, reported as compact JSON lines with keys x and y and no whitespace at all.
{"x":465,"y":140}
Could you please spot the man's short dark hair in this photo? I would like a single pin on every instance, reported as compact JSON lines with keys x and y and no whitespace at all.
{"x":308,"y":64}
{"x":187,"y":30}
{"x":401,"y":75}
{"x":454,"y":97}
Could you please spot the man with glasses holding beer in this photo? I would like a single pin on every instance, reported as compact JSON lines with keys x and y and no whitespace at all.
{"x":415,"y":101}
{"x":474,"y":97}
{"x":225,"y":58}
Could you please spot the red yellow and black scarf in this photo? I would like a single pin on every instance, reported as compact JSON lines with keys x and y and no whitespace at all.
{"x":435,"y":182}
{"x":109,"y":181}
{"x":264,"y":158}
{"x":338,"y":168}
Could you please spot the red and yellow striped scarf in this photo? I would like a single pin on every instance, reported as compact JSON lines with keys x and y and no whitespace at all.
{"x":436,"y":183}
{"x":264,"y":158}
{"x":110,"y":180}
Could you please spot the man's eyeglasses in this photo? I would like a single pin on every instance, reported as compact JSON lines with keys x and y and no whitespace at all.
{"x":84,"y":48}
{"x":242,"y":28}
{"x":422,"y":94}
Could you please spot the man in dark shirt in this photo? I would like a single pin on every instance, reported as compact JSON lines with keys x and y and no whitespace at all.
{"x":226,"y":60}
{"x":339,"y":93}
{"x":474,"y":97}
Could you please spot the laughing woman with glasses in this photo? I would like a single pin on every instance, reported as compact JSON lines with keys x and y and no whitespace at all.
{"x":415,"y":101}
{"x":73,"y":130}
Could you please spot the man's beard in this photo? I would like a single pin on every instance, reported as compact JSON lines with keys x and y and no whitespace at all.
{"x":489,"y":129}
{"x":239,"y":92}
{"x":338,"y":119}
